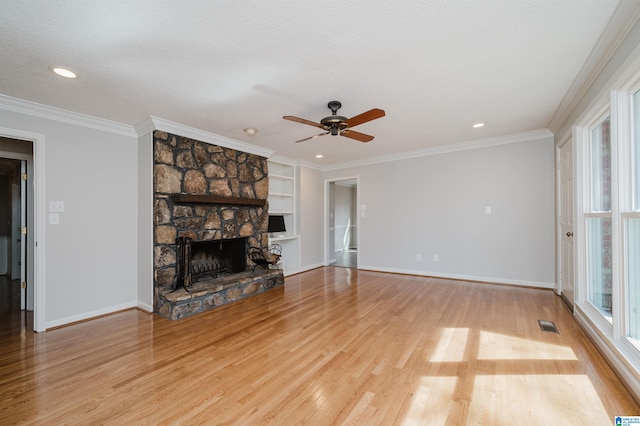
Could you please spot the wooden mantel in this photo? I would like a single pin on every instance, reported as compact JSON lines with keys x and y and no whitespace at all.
{"x":216,"y":199}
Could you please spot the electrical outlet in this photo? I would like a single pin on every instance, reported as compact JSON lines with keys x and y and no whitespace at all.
{"x":418,"y":257}
{"x":54,"y":218}
{"x":436,"y":258}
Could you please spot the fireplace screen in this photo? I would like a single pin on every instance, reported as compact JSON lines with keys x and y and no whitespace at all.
{"x":203,"y":260}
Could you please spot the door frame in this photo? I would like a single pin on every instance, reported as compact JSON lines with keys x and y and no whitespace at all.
{"x":327,"y":211}
{"x":566,"y":139}
{"x":35,"y":218}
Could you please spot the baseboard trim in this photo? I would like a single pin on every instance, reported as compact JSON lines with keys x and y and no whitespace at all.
{"x":144,"y":307}
{"x":89,"y":315}
{"x":473,"y":278}
{"x":301,"y":270}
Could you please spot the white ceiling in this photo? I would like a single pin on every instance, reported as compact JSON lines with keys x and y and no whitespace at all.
{"x":435,"y":67}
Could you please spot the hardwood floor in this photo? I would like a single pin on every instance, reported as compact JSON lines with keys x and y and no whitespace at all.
{"x":346,"y":259}
{"x":9,"y":295}
{"x":334,"y":346}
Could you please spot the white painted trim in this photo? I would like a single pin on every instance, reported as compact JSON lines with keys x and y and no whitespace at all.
{"x":92,"y":314}
{"x":39,"y":209}
{"x":325,"y":227}
{"x":16,"y":155}
{"x":276,"y":158}
{"x":156,"y":123}
{"x":624,"y":18}
{"x":620,"y":362}
{"x":488,"y":280}
{"x":566,"y":139}
{"x":301,"y":270}
{"x":145,"y":126}
{"x":51,"y":113}
{"x":580,"y":176}
{"x":145,"y":307}
{"x":441,"y":149}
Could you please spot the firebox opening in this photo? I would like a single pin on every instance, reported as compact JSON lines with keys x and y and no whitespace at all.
{"x":213,"y":259}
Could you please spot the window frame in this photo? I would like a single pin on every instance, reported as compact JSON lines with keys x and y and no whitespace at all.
{"x":583,"y":136}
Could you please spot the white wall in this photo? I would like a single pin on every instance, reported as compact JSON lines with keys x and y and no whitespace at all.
{"x":435,"y":205}
{"x":310,"y":217}
{"x":91,"y":256}
{"x":145,"y":222}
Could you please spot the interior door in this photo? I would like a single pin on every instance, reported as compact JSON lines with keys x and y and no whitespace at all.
{"x":565,"y":222}
{"x":23,"y":235}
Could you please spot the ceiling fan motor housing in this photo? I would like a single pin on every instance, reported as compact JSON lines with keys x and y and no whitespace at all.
{"x":334,"y":123}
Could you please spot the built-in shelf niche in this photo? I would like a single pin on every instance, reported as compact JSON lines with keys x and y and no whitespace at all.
{"x":282,"y":201}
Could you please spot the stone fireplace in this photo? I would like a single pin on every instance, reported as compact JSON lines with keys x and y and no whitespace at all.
{"x":210,"y":205}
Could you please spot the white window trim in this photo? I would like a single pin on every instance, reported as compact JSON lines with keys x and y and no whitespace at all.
{"x":622,"y":354}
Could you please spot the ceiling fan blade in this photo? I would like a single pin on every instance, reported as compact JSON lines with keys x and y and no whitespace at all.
{"x":312,"y":137}
{"x":303,"y":121}
{"x":356,"y":135}
{"x":372,"y":114}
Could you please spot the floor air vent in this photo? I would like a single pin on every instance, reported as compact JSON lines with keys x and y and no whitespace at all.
{"x":547,"y":326}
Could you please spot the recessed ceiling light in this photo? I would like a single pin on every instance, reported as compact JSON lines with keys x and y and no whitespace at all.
{"x":250,"y":131}
{"x":319,"y":156}
{"x":478,"y":125}
{"x":63,"y":72}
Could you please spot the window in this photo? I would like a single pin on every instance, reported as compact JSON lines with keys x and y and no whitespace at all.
{"x":635,"y":151}
{"x":631,"y":224}
{"x":598,"y":221}
{"x":601,"y":167}
{"x":632,"y":260}
{"x":607,"y":267}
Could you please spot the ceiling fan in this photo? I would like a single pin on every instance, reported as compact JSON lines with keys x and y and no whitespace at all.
{"x":338,"y":125}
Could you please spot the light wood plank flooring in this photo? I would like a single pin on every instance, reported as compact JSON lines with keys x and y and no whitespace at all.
{"x":334,"y":346}
{"x":346,"y":259}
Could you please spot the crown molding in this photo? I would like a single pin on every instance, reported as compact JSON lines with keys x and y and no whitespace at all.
{"x":442,"y":149}
{"x":285,"y":160}
{"x":22,"y":106}
{"x":145,"y":126}
{"x":155,"y":123}
{"x":618,"y":28}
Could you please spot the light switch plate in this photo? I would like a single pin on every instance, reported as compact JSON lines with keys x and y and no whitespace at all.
{"x":56,"y":206}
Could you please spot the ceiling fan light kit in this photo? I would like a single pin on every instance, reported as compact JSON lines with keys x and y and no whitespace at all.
{"x":337,"y":125}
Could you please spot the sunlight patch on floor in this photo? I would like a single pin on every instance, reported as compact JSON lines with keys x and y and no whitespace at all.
{"x":430,"y":401}
{"x":517,"y":399}
{"x":451,"y":346}
{"x":499,"y":346}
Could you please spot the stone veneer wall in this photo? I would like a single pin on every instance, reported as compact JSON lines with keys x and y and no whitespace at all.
{"x":183,"y":165}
